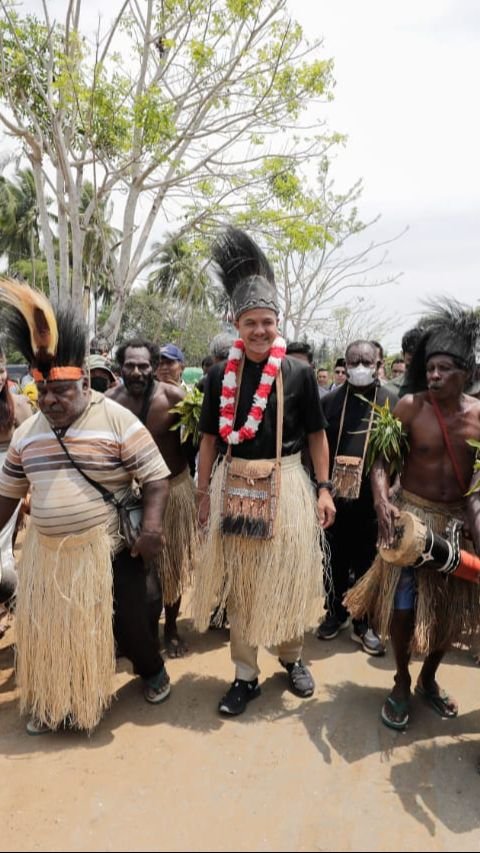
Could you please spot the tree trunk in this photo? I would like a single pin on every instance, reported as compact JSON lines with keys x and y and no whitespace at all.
{"x":63,"y":242}
{"x":46,"y":230}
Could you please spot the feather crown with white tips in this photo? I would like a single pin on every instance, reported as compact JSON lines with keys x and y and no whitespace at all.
{"x":47,"y":340}
{"x":244,"y":272}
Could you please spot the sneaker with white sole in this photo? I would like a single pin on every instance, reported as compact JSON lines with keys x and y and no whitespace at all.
{"x":157,"y":688}
{"x":300,"y":678}
{"x":369,"y":641}
{"x":331,"y":627}
{"x":237,"y":697}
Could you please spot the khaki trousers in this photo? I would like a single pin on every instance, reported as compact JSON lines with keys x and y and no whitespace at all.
{"x":245,"y":657}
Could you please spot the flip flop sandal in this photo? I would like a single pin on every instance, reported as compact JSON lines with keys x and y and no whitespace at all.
{"x":400,"y":709}
{"x":438,"y":701}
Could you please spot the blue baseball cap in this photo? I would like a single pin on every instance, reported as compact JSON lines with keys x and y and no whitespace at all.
{"x":172,"y":352}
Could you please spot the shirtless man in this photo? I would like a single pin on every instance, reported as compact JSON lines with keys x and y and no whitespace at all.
{"x":151,"y":401}
{"x":424,"y":614}
{"x":14,"y":409}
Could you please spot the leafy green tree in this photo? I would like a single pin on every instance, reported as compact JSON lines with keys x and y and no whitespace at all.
{"x":178,"y":110}
{"x":159,"y":318}
{"x":316,"y":241}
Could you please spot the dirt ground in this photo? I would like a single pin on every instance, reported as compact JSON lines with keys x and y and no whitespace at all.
{"x":293,"y":775}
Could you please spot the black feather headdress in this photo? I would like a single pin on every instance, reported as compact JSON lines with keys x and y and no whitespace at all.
{"x":449,"y":329}
{"x":46,"y":341}
{"x":244,"y":272}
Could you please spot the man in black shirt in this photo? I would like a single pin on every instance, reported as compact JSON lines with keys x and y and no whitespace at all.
{"x":353,"y":537}
{"x":270,"y":585}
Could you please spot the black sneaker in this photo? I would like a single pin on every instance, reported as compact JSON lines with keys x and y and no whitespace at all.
{"x":369,"y":640}
{"x":235,"y":700}
{"x":331,"y":627}
{"x":299,"y":678}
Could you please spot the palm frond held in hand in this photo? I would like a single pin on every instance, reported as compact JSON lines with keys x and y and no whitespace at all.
{"x":188,"y":410}
{"x":387,"y":437}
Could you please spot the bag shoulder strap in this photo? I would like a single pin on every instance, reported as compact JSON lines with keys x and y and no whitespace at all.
{"x":279,"y":383}
{"x":369,"y":428}
{"x":448,"y":444}
{"x":107,"y":496}
{"x":146,"y":405}
{"x":342,"y":418}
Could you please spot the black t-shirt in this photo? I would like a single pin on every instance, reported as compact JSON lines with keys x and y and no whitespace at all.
{"x":302,"y":412}
{"x":355,"y":425}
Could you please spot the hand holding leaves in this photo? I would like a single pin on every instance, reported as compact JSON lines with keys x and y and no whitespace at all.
{"x":387,"y":437}
{"x":189,"y":411}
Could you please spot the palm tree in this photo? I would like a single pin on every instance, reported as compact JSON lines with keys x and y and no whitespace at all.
{"x":180,"y":274}
{"x":19,"y":230}
{"x":101,"y":239}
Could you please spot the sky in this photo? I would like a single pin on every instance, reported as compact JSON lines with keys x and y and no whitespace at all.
{"x":406,"y":96}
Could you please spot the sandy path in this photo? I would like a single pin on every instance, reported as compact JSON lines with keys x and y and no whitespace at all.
{"x":320,"y":774}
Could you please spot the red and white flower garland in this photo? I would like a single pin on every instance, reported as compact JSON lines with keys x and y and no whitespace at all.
{"x":229,"y":391}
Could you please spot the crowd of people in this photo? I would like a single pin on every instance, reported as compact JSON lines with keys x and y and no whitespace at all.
{"x":284,"y":519}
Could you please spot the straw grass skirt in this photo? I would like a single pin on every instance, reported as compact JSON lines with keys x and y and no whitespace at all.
{"x":445,"y":607}
{"x":175,"y":562}
{"x":65,"y":649}
{"x":274,"y":586}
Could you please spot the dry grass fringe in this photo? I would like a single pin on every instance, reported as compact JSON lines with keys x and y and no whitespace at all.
{"x":445,"y":607}
{"x":65,"y":648}
{"x":175,"y":563}
{"x":275,"y":585}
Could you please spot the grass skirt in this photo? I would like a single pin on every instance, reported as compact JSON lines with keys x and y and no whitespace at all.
{"x":445,"y":607}
{"x":65,"y":649}
{"x":274,"y":585}
{"x":175,"y":562}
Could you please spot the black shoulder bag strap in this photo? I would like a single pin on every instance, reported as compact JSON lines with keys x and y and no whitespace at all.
{"x":107,"y":496}
{"x":146,"y":404}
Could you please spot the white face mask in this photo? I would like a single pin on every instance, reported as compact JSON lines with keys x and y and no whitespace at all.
{"x":360,"y":376}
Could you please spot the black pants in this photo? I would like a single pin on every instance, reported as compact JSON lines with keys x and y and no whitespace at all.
{"x":8,"y":585}
{"x":135,"y":609}
{"x":352,"y":541}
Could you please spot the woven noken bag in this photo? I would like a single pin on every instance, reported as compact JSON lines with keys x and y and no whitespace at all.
{"x":250,"y":488}
{"x":249,"y":497}
{"x":347,"y":476}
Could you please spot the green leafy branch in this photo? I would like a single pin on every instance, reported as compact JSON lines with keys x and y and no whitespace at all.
{"x":472,"y":442}
{"x":387,"y":438}
{"x":188,"y":410}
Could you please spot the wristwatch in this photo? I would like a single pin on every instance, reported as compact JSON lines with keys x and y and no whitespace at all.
{"x":325,"y":484}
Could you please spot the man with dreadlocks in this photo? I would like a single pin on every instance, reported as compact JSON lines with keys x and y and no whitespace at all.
{"x":262,"y":552}
{"x":425,"y":611}
{"x":77,"y":452}
{"x":14,"y":409}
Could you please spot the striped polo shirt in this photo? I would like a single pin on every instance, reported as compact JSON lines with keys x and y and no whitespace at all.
{"x":107,"y":441}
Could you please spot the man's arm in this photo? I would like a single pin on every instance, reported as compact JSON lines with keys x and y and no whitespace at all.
{"x":152,"y":538}
{"x":318,"y":448}
{"x":7,"y":508}
{"x":206,"y":459}
{"x":386,"y":511}
{"x":473,"y":513}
